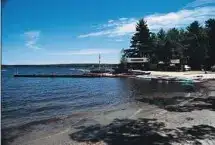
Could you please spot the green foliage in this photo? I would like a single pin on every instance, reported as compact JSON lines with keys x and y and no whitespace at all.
{"x":210,"y":30}
{"x":141,"y":40}
{"x":161,"y":35}
{"x":173,"y":34}
{"x":198,"y":45}
{"x":194,"y":45}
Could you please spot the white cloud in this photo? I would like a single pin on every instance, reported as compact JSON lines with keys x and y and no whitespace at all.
{"x":179,"y":19}
{"x":110,"y":21}
{"x":123,"y":19}
{"x":115,"y":28}
{"x":95,"y":34}
{"x":199,"y":3}
{"x":119,"y":40}
{"x":88,"y":52}
{"x":31,"y":39}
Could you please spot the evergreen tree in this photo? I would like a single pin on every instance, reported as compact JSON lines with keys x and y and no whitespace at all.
{"x":161,"y":35}
{"x":141,"y":40}
{"x":194,"y":45}
{"x":134,"y":40}
{"x":160,"y":49}
{"x":196,"y":48}
{"x":154,"y":40}
{"x":210,"y":29}
{"x":173,"y":34}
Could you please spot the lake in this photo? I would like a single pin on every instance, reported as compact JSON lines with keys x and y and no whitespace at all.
{"x":27,"y":102}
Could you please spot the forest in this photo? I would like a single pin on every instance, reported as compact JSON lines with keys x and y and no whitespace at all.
{"x":193,"y":45}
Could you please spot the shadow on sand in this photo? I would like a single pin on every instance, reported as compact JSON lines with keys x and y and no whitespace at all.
{"x":194,"y":104}
{"x":142,"y":131}
{"x":181,"y":104}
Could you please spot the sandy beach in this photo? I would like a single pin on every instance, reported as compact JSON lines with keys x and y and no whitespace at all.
{"x":189,"y":75}
{"x":174,"y":119}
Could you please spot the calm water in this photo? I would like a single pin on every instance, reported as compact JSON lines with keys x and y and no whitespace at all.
{"x":30,"y":99}
{"x":26,"y":100}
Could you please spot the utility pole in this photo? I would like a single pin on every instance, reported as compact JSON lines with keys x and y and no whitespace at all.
{"x":99,"y":60}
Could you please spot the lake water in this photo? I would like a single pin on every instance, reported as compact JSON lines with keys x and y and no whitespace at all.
{"x":30,"y":101}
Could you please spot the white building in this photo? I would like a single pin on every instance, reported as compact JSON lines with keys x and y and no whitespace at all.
{"x":136,"y":63}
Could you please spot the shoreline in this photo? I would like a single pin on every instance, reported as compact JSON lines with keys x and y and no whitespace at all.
{"x":101,"y":127}
{"x":177,"y":113}
{"x":193,"y":76}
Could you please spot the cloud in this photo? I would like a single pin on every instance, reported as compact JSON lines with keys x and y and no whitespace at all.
{"x":95,"y":34}
{"x":199,"y":3}
{"x":123,"y":19}
{"x":119,"y":40}
{"x":118,"y":27}
{"x":31,"y":39}
{"x":179,"y":19}
{"x":88,"y":52}
{"x":110,"y":21}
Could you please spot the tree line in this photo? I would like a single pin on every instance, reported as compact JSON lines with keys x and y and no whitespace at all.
{"x":193,"y":45}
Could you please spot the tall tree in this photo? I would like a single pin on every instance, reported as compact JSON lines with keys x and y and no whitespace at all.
{"x":194,"y":45}
{"x":134,"y":40}
{"x":196,"y":49}
{"x":161,"y":35}
{"x":210,"y":28}
{"x":161,"y":49}
{"x":164,"y":52}
{"x":182,"y":46}
{"x":141,"y":40}
{"x":154,"y":40}
{"x":173,"y":34}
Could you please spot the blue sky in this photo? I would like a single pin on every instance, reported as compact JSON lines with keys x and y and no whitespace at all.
{"x":76,"y":31}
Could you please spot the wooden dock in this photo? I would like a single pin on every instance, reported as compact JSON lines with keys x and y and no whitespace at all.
{"x":72,"y":75}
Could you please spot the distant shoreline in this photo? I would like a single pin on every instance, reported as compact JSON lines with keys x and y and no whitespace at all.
{"x":72,"y":64}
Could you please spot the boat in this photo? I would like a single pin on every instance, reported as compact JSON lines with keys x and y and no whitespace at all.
{"x":139,"y":72}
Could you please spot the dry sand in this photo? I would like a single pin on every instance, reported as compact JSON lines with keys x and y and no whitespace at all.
{"x":192,"y":75}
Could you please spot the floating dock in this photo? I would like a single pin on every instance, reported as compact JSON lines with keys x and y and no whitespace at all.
{"x":73,"y":75}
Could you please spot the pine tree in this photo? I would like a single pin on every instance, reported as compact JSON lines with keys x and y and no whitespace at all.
{"x":161,"y":35}
{"x":210,"y":29}
{"x":141,"y":40}
{"x":173,"y":34}
{"x":194,"y":45}
{"x":134,"y":41}
{"x":197,"y":48}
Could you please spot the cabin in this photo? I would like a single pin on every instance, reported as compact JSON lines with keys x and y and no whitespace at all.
{"x":137,"y":63}
{"x":133,"y":59}
{"x":175,"y":65}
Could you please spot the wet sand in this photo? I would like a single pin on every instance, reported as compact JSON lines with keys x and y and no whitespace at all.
{"x":161,"y":120}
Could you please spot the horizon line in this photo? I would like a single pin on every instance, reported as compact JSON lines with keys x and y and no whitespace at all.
{"x":59,"y":64}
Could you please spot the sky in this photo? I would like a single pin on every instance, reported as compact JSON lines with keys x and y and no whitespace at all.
{"x":76,"y":31}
